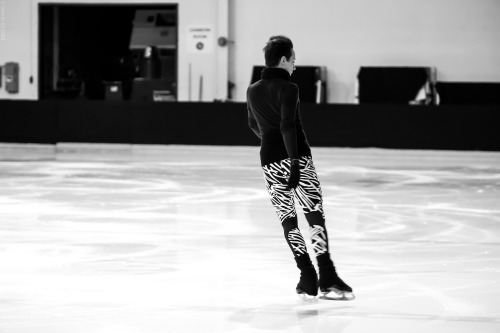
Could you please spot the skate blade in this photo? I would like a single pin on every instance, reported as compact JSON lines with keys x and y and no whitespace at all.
{"x":307,"y":298}
{"x":337,"y":295}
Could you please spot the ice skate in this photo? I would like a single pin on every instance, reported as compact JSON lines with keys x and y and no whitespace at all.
{"x":307,"y":288}
{"x":331,"y":285}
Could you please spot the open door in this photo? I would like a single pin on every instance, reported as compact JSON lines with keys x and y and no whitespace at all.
{"x":103,"y":60}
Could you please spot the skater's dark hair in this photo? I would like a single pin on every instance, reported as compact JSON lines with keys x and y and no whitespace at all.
{"x":277,"y":47}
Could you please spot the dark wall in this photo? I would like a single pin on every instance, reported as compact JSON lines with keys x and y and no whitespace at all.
{"x":390,"y":126}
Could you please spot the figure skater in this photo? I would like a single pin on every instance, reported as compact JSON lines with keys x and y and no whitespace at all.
{"x":274,"y":116}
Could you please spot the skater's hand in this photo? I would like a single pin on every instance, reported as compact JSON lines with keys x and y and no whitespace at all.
{"x":293,"y":181}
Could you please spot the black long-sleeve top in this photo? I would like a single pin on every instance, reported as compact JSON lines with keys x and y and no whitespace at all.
{"x":274,"y":116}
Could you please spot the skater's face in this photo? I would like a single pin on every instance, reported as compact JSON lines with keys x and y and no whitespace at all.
{"x":288,"y":64}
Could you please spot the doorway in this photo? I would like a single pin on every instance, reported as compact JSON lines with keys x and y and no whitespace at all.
{"x":108,"y":52}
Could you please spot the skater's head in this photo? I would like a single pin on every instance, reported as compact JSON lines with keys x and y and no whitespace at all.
{"x":279,"y":53}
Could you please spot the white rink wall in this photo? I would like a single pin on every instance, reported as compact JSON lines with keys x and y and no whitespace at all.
{"x":459,"y":37}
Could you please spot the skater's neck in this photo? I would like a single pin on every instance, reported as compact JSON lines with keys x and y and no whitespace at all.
{"x":275,"y":73}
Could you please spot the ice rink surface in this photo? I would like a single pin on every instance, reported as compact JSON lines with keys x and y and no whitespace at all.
{"x":184,"y":239}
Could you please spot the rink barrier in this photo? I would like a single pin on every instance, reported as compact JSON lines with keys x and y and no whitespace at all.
{"x":461,"y":127}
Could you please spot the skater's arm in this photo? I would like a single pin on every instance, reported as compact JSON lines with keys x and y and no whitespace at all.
{"x":252,"y":123}
{"x":289,"y":101}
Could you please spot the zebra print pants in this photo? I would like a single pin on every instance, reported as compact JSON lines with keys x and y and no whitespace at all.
{"x":307,"y":193}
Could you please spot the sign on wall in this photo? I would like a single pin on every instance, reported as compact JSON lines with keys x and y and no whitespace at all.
{"x":200,"y":40}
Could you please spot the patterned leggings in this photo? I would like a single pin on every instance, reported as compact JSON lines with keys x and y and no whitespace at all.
{"x":308,"y":192}
{"x":309,"y":198}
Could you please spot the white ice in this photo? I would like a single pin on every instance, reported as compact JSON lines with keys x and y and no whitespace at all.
{"x":187,"y":241}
